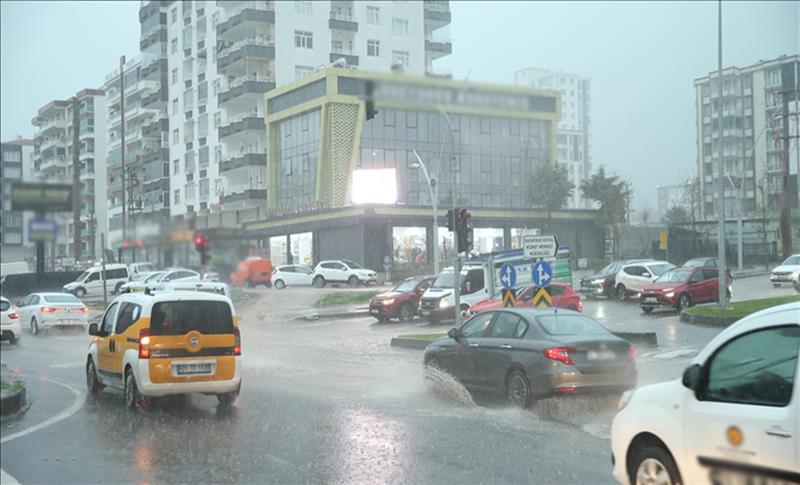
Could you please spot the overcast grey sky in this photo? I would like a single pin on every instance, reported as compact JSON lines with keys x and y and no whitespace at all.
{"x":641,"y":57}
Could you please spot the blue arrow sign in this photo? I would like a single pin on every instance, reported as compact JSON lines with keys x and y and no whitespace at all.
{"x":542,"y":273}
{"x":508,"y":275}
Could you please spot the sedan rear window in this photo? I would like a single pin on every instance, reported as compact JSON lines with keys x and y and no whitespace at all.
{"x":570,"y":325}
{"x":61,"y":299}
{"x":180,"y":317}
{"x":4,"y":305}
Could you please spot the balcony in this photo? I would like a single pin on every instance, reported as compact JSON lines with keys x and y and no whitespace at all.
{"x":438,"y":48}
{"x":347,"y":55}
{"x":438,"y":12}
{"x":249,"y":121}
{"x":244,"y":194}
{"x":151,"y":70}
{"x":341,"y":21}
{"x":257,"y":85}
{"x":256,"y":48}
{"x":153,"y":36}
{"x":239,"y":160}
{"x":245,"y":22}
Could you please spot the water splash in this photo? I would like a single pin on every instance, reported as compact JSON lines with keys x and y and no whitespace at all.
{"x":447,"y":387}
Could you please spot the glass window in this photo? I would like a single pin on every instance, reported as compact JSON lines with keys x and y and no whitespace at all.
{"x":61,"y":299}
{"x":304,"y":8}
{"x":373,"y":15}
{"x":400,"y":26}
{"x":108,"y":319}
{"x":302,"y":71}
{"x":570,"y":325}
{"x":373,"y":48}
{"x":400,"y":57}
{"x":173,"y":15}
{"x":756,"y":368}
{"x":128,"y":313}
{"x":181,"y":317}
{"x":173,"y":45}
{"x":303,"y":39}
{"x":505,"y":326}
{"x":476,"y":326}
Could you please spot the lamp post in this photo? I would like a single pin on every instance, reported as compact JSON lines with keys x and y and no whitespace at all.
{"x":434,"y":203}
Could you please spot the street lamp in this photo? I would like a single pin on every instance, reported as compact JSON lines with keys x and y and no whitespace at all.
{"x":434,"y":202}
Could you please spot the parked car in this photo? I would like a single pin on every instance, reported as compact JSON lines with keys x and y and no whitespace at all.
{"x":292,"y":275}
{"x":342,"y":271}
{"x":46,"y":310}
{"x":602,"y":282}
{"x":786,"y":272}
{"x":796,"y":282}
{"x":732,"y":418}
{"x":403,"y":301}
{"x":164,"y":344}
{"x":526,"y":353}
{"x":10,"y":328}
{"x":253,"y":271}
{"x":211,"y":275}
{"x":157,"y":280}
{"x":709,"y":262}
{"x":136,"y":269}
{"x":562,"y":293}
{"x":680,"y":288}
{"x":90,"y":282}
{"x":633,"y":277}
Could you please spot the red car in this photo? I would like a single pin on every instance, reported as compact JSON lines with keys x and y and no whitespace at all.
{"x":403,"y":301}
{"x":563,"y":297}
{"x":681,"y":288}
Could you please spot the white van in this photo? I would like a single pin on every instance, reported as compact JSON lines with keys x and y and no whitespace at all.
{"x":17,"y":267}
{"x":90,"y":282}
{"x":136,"y":269}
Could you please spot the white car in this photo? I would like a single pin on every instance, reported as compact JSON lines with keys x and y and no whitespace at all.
{"x":292,"y":275}
{"x":45,"y":310}
{"x":342,"y":271}
{"x":214,"y":287}
{"x":136,"y":269}
{"x":90,"y":282}
{"x":157,"y":280}
{"x":138,"y":283}
{"x":787,"y":272}
{"x":633,"y":277}
{"x":10,"y":328}
{"x":734,"y":417}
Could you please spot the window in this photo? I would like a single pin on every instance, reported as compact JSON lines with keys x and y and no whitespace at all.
{"x":374,"y":48}
{"x":306,"y":163}
{"x":217,"y":119}
{"x":175,"y":106}
{"x":177,"y":199}
{"x":128,"y":313}
{"x":175,"y":136}
{"x":173,"y":45}
{"x":506,"y":325}
{"x":373,"y":15}
{"x":400,"y":57}
{"x":304,"y":8}
{"x":108,"y":319}
{"x":174,"y":76}
{"x":176,"y":166}
{"x":302,"y":71}
{"x":181,"y":317}
{"x":303,"y":39}
{"x":476,"y":326}
{"x":173,"y":15}
{"x":566,"y":324}
{"x":634,"y":270}
{"x":710,"y":274}
{"x":400,"y":26}
{"x":756,"y":368}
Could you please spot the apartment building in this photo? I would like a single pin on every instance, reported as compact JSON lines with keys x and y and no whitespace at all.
{"x":16,"y":165}
{"x":222,"y":57}
{"x":53,"y":162}
{"x":574,"y":142}
{"x":753,"y":108}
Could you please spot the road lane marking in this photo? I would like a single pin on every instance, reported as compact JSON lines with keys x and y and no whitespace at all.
{"x":80,"y":399}
{"x":66,"y":366}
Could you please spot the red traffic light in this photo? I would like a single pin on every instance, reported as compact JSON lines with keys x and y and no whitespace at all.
{"x":200,"y":242}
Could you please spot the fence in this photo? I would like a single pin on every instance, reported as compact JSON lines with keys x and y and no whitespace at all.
{"x":19,"y":285}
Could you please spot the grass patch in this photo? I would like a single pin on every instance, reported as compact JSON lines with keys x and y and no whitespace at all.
{"x":345,"y":298}
{"x":10,"y":387}
{"x":741,"y":309}
{"x":424,"y":336}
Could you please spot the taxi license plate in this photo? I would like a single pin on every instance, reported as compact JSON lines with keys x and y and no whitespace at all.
{"x":651,"y":299}
{"x":192,"y":369}
{"x":725,"y":476}
{"x":600,"y":355}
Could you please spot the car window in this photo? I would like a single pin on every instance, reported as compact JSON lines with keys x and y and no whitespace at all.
{"x":634,"y":270}
{"x":288,"y":269}
{"x":570,"y":325}
{"x":4,"y":305}
{"x":556,"y":290}
{"x":476,"y":326}
{"x":328,"y":265}
{"x":34,"y":300}
{"x":180,"y":317}
{"x":710,"y":274}
{"x":506,"y":326}
{"x":93,"y":277}
{"x":108,"y":319}
{"x":128,"y":313}
{"x":425,"y":284}
{"x":61,"y":299}
{"x":340,"y":266}
{"x":755,"y":368}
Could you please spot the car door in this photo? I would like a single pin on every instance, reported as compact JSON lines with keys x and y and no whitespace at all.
{"x":747,"y":410}
{"x":93,"y":284}
{"x":697,"y":287}
{"x":495,"y":352}
{"x":462,"y":363}
{"x":106,"y":345}
{"x":710,"y":284}
{"x":631,"y":277}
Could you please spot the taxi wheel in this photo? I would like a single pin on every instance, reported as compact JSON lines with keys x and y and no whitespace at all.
{"x":353,"y":282}
{"x":92,"y":383}
{"x":518,"y":390}
{"x":228,"y":398}
{"x":279,"y":284}
{"x":406,"y":312}
{"x":34,"y":326}
{"x":132,"y":396}
{"x":653,"y":465}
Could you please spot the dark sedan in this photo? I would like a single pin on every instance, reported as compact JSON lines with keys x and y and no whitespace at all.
{"x":531,"y":353}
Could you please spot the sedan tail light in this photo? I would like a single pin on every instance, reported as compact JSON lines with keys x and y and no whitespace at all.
{"x":49,"y":309}
{"x":237,"y":348}
{"x":13,"y":315}
{"x":561,"y":354}
{"x":144,"y":343}
{"x":631,"y":353}
{"x":84,"y":309}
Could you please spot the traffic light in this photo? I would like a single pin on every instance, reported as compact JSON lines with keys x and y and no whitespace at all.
{"x":369,"y":104}
{"x":463,"y":226}
{"x":201,"y":245}
{"x":451,"y":219}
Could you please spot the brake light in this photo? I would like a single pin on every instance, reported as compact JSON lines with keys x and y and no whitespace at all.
{"x":237,"y":348}
{"x":84,"y":309}
{"x":13,"y":315}
{"x":631,"y":353}
{"x":48,"y":309}
{"x":580,"y":306}
{"x":144,"y":343}
{"x":560,"y":354}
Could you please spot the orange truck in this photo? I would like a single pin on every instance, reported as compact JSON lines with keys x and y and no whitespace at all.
{"x":252,"y":272}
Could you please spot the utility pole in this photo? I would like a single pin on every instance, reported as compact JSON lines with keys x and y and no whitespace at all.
{"x":786,"y":232}
{"x":122,"y":143}
{"x":723,"y":297}
{"x":76,"y":178}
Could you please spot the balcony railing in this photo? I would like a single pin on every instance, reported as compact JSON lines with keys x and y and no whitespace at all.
{"x":257,"y":41}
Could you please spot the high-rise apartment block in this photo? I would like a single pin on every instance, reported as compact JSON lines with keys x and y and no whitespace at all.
{"x":16,"y":165}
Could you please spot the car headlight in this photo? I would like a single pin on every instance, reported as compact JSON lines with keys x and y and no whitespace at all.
{"x":598,"y":281}
{"x":388,"y":302}
{"x":670,"y":294}
{"x":624,"y":399}
{"x":444,"y":303}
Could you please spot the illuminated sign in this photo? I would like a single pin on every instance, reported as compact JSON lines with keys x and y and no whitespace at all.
{"x":41,"y":197}
{"x":376,"y":186}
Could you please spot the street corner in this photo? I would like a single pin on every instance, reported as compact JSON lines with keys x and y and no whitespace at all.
{"x":44,"y":402}
{"x":13,"y":395}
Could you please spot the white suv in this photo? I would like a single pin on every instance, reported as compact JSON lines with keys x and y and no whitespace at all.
{"x":342,"y":271}
{"x":10,"y":327}
{"x":633,"y":277}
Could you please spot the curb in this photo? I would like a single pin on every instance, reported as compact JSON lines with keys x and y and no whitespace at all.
{"x":646,"y":339}
{"x":13,"y":405}
{"x":706,"y":321}
{"x":748,"y":274}
{"x":321,"y":316}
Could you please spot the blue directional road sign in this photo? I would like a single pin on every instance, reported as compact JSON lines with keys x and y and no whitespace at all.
{"x":508,"y":275}
{"x":42,"y":230}
{"x":542,"y":273}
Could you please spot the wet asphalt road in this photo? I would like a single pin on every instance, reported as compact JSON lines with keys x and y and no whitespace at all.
{"x":325,"y":401}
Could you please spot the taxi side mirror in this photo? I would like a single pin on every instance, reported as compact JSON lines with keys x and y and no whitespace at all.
{"x":93,"y":329}
{"x":691,"y":377}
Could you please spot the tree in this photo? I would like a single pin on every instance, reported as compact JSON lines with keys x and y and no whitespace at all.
{"x":676,"y":215}
{"x":614,"y":197}
{"x":691,"y":196}
{"x":549,"y":187}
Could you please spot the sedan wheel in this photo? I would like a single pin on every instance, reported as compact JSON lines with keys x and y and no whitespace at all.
{"x":279,"y":284}
{"x":647,"y":309}
{"x":621,"y":292}
{"x":353,"y":281}
{"x":518,"y":390}
{"x":319,"y":282}
{"x":34,"y":327}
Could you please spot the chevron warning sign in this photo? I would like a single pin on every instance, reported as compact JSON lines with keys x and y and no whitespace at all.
{"x":509,"y":299}
{"x":542,"y":298}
